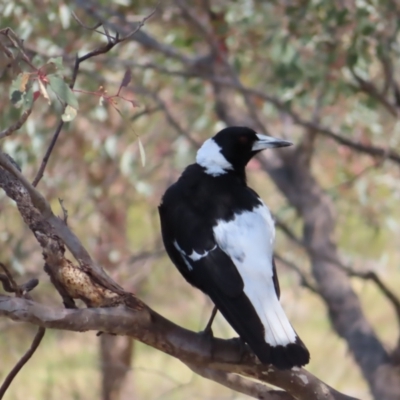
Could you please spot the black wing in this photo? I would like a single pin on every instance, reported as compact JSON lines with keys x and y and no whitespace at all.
{"x":213,"y":272}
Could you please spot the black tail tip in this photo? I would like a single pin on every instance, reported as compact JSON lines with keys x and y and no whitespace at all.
{"x":286,"y":357}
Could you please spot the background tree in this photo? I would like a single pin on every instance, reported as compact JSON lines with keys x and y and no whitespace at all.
{"x":323,"y":74}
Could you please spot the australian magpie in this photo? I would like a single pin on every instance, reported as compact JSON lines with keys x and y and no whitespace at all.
{"x":220,"y":235}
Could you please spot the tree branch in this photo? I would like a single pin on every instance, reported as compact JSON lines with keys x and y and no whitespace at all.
{"x":192,"y":348}
{"x":17,"y":125}
{"x":240,"y":384}
{"x":25,"y":358}
{"x":304,"y":280}
{"x":131,"y":317}
{"x":338,"y":137}
{"x":52,"y":233}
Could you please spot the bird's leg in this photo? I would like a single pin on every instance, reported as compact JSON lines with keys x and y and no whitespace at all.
{"x":241,"y":346}
{"x":207,"y":330}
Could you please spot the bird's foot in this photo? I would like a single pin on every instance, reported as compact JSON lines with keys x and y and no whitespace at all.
{"x":207,"y":333}
{"x":241,"y":346}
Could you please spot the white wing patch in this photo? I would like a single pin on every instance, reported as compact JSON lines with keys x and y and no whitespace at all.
{"x":248,"y":239}
{"x":210,"y":157}
{"x":194,"y":256}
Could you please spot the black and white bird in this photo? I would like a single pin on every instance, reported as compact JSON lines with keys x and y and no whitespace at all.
{"x":220,"y":235}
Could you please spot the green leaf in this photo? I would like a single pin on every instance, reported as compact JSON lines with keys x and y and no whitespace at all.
{"x":352,"y":57}
{"x":27,"y":99}
{"x":69,"y":114}
{"x":63,"y":91}
{"x":16,"y":98}
{"x":16,"y":94}
{"x":57,"y":61}
{"x":52,"y":65}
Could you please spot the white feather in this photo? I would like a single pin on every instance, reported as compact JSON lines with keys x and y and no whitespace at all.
{"x":197,"y":256}
{"x":248,"y":239}
{"x":210,"y":157}
{"x":194,"y":256}
{"x":183,"y":255}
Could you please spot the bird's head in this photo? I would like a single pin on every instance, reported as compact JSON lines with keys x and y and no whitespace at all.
{"x":232,"y":148}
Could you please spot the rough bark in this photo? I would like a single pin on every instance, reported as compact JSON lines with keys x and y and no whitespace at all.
{"x":127,"y":315}
{"x":191,"y":348}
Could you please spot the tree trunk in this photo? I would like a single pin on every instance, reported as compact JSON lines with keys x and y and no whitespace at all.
{"x":116,"y":357}
{"x":116,"y":352}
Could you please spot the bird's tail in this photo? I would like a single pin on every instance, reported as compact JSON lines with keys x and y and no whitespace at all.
{"x":283,"y":347}
{"x":265,"y":328}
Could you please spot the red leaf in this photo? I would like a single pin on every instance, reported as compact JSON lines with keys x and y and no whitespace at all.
{"x":36,"y":95}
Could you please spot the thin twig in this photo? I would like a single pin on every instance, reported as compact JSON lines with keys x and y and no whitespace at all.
{"x":17,"y":43}
{"x":173,"y":121}
{"x":25,"y":358}
{"x":304,"y":280}
{"x":367,"y":275}
{"x":12,"y":284}
{"x":338,"y":137}
{"x":369,"y":88}
{"x":349,"y":182}
{"x":372,"y":276}
{"x":64,"y":210}
{"x":93,"y":28}
{"x":17,"y":125}
{"x":46,"y":157}
{"x":111,"y":42}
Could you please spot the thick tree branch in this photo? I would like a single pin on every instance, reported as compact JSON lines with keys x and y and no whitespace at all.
{"x":154,"y":330}
{"x":240,"y":384}
{"x":72,"y":281}
{"x":136,"y":320}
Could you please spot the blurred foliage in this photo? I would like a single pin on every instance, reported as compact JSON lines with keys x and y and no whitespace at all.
{"x":306,"y":53}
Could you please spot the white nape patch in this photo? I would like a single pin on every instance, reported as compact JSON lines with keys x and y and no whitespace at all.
{"x":194,"y":256}
{"x":210,"y":157}
{"x":252,"y":234}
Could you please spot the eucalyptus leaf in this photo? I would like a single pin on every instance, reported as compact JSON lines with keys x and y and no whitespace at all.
{"x":69,"y":113}
{"x":63,"y":91}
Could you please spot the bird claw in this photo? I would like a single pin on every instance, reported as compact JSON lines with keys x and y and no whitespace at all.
{"x":207,"y":333}
{"x":241,"y":345}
